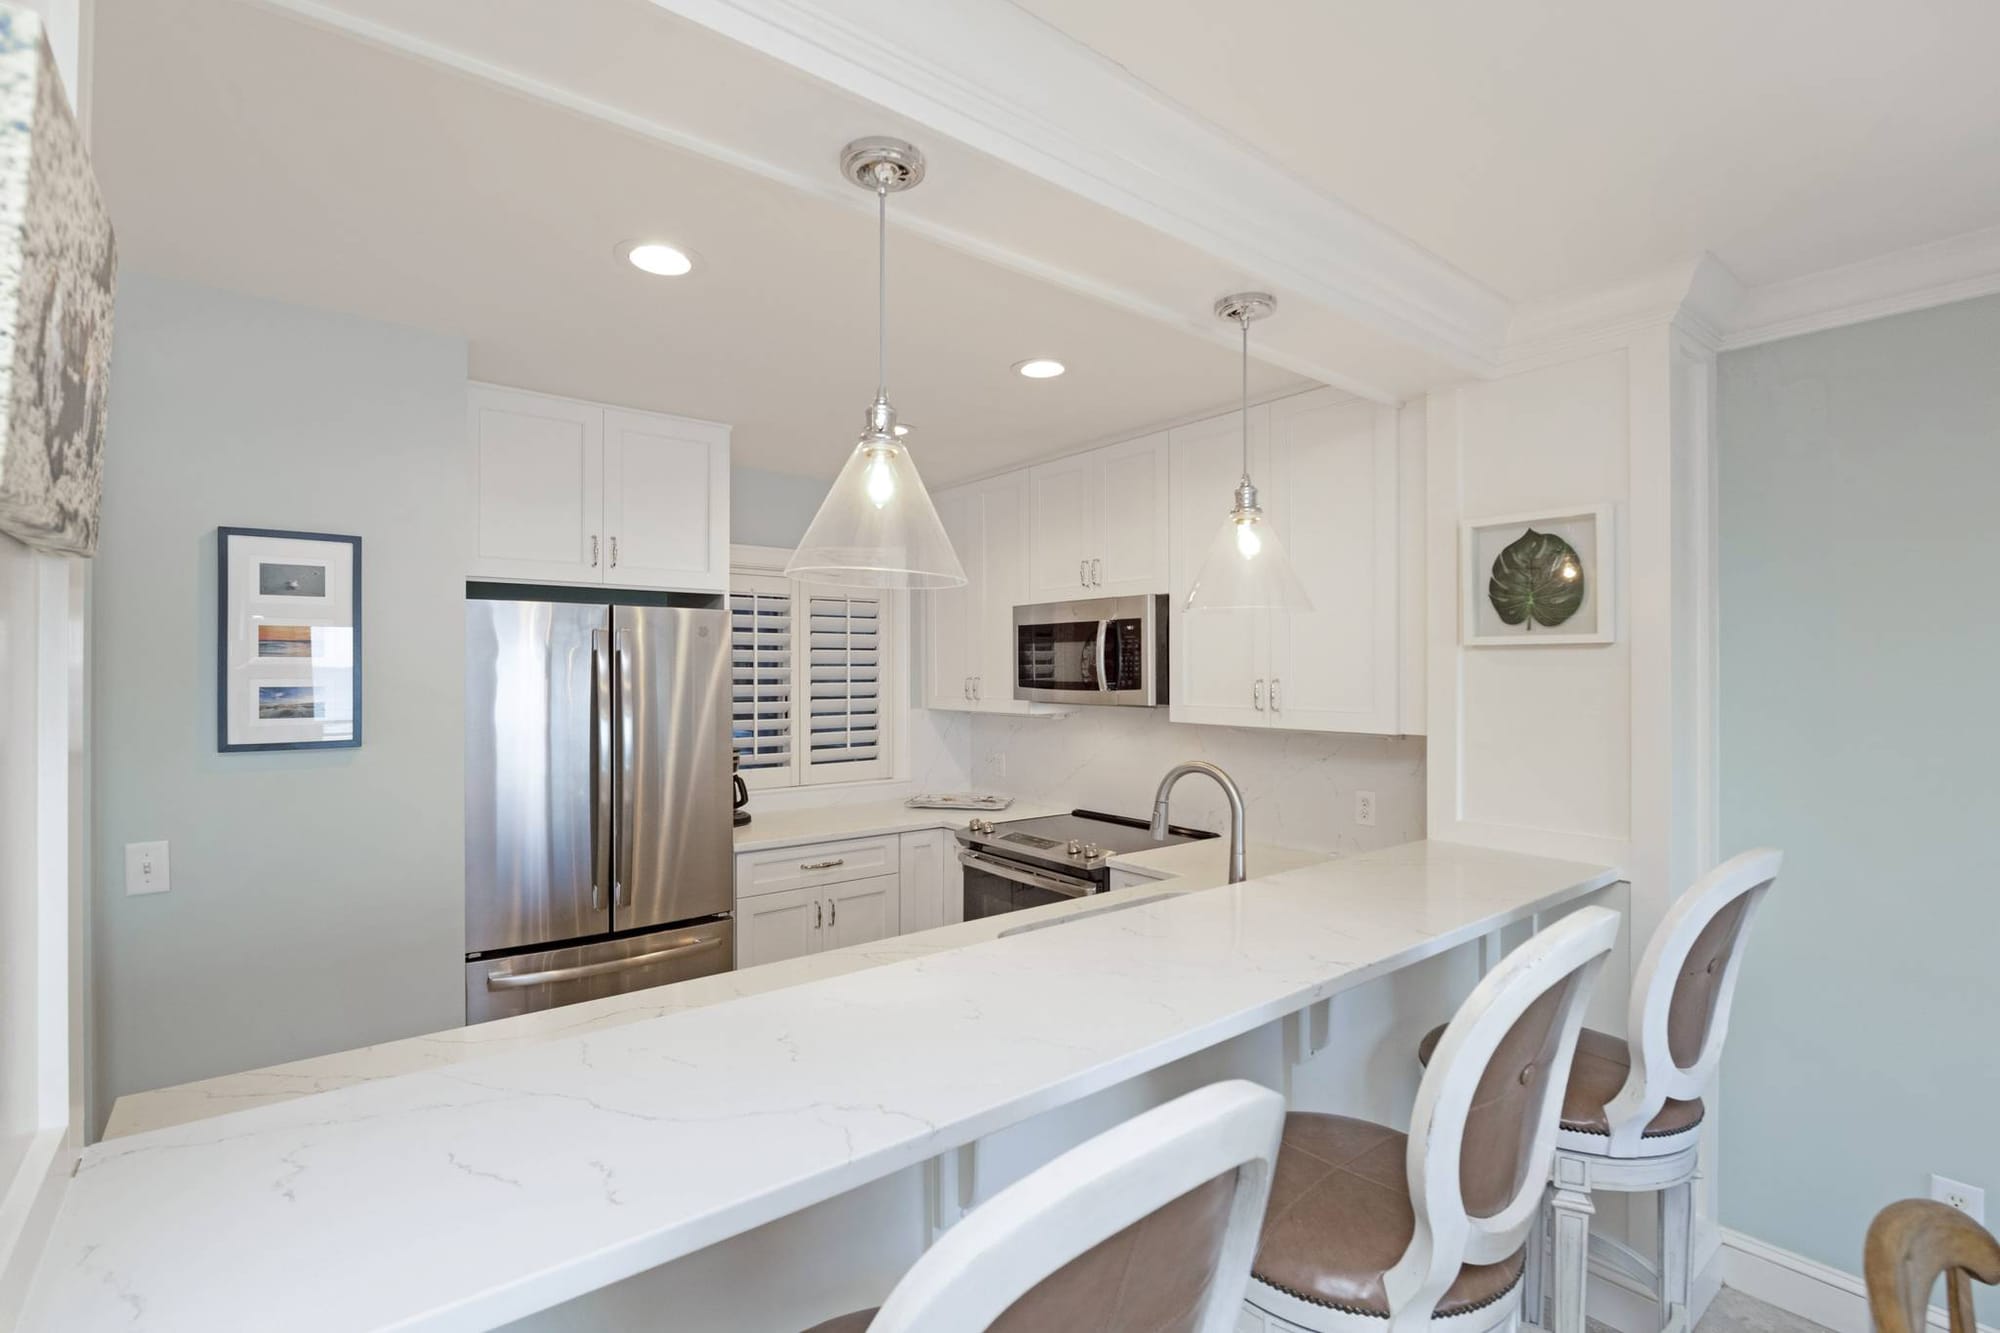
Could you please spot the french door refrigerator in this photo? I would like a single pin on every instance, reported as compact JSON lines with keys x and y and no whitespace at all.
{"x":597,"y":798}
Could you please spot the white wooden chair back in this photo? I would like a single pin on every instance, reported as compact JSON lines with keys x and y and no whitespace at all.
{"x":1682,"y":990}
{"x":1224,"y":1137}
{"x":1484,"y":1128}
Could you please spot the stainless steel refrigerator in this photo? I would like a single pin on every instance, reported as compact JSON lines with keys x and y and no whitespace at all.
{"x":597,"y":799}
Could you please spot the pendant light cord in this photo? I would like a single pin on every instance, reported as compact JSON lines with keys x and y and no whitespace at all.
{"x":1244,"y":324}
{"x":881,"y":288}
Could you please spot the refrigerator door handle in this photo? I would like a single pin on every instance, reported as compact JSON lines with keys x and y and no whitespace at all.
{"x":621,"y":851}
{"x":600,"y":769}
{"x":516,"y":980}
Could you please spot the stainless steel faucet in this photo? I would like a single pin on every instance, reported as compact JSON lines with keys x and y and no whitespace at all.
{"x":1237,"y":871}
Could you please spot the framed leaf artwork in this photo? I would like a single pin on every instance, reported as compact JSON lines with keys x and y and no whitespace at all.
{"x":1538,"y":579}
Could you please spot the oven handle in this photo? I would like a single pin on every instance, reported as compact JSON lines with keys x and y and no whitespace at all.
{"x":1068,"y":888}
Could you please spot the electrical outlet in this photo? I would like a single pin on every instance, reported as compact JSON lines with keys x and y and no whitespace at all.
{"x":1968,"y":1199}
{"x":1364,"y":808}
{"x":145,"y":868}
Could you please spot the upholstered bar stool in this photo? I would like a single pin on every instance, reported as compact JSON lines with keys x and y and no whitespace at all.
{"x":1147,"y":1228}
{"x":1632,"y":1113}
{"x":1426,"y":1230}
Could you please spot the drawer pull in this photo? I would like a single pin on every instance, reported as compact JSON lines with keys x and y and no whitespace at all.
{"x":823,"y":865}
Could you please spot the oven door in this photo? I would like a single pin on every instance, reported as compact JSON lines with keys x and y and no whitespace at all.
{"x":1101,"y":650}
{"x":995,"y":885}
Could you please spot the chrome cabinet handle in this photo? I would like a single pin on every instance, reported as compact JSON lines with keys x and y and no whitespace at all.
{"x":823,"y":865}
{"x":818,"y":920}
{"x":1083,"y":572}
{"x":832,"y":910}
{"x":614,"y":553}
{"x":516,"y":980}
{"x":1096,"y":572}
{"x":1257,"y":695}
{"x":1274,"y":695}
{"x":977,"y":683}
{"x":593,"y":550}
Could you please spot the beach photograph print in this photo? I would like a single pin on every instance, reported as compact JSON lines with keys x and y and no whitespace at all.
{"x":280,"y":702}
{"x":276,"y":580}
{"x":284,"y":641}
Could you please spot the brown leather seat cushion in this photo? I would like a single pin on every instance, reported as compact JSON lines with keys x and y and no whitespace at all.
{"x":1340,"y":1218}
{"x":857,"y":1322}
{"x":1602,"y":1062}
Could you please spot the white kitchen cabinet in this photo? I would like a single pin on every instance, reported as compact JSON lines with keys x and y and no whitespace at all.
{"x":572,"y":492}
{"x":861,"y":911}
{"x":666,"y":502}
{"x":771,"y":927}
{"x":538,"y":483}
{"x":923,"y":880}
{"x":968,"y":633}
{"x":1327,"y":470}
{"x":1098,"y":522}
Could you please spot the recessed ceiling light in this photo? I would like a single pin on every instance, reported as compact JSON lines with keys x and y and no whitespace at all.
{"x":656,"y":257}
{"x":1040,"y":368}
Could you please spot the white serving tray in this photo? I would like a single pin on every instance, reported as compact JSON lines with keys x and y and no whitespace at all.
{"x":958,"y":800}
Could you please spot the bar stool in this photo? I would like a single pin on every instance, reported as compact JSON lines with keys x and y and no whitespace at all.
{"x":1631,"y":1117}
{"x":1147,"y":1228}
{"x":1427,"y":1229}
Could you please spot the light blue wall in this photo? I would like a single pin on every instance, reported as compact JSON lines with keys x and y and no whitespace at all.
{"x":772,"y":508}
{"x":317,"y":899}
{"x":1860,"y":593}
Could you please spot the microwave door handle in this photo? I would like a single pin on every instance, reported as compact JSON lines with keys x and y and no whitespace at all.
{"x":1103,"y":632}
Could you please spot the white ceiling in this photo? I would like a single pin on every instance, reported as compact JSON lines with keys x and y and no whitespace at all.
{"x":246,"y":148}
{"x":1553,"y":146}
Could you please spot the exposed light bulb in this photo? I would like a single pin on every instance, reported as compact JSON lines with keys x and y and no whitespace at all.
{"x":1248,"y":543}
{"x":881,"y":479}
{"x":1568,"y":570}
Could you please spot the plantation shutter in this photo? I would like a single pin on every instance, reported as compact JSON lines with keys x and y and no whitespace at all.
{"x":845,"y":642}
{"x":761,"y":725}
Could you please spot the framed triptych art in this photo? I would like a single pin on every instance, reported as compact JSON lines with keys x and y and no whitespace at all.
{"x":288,"y":655}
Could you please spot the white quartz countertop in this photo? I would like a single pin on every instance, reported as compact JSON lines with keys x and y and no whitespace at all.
{"x":1205,"y":864}
{"x":464,"y":1196}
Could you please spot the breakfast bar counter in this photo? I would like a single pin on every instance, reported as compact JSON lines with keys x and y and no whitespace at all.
{"x":484,"y":1189}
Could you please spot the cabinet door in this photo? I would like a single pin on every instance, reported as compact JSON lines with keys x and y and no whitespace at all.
{"x":537,"y":487}
{"x":1219,"y":659}
{"x":1130,"y":492}
{"x":774,"y":926}
{"x":922,"y":881}
{"x":949,"y":613}
{"x":1003,"y":505}
{"x":1333,"y":492}
{"x":861,"y":911}
{"x":1062,"y":529}
{"x":666,"y":502}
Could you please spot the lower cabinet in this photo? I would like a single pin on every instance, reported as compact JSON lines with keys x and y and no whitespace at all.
{"x":776,"y":921}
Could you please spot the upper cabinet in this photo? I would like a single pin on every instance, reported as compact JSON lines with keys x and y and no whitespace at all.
{"x":968,"y":633}
{"x":1098,"y":523}
{"x":1328,"y":470}
{"x":572,"y":492}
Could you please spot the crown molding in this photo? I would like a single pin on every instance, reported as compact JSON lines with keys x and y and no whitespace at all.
{"x":1695,"y":297}
{"x":1956,"y":269}
{"x":1001,"y":81}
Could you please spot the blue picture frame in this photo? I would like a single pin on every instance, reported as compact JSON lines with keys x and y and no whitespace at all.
{"x":280,"y":700}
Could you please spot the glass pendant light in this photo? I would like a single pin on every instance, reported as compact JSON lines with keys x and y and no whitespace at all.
{"x":1246,"y":568}
{"x":877,"y":527}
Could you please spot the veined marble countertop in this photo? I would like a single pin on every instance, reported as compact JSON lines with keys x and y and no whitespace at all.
{"x":465,"y":1196}
{"x":159,"y":1108}
{"x":1205,"y":864}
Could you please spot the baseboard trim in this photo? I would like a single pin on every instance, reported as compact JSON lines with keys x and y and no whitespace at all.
{"x":1804,"y":1287}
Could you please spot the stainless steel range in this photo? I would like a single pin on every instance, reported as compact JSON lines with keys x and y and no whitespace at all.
{"x":1030,"y":862}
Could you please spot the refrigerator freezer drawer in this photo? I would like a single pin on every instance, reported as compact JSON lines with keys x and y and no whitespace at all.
{"x":524,"y":983}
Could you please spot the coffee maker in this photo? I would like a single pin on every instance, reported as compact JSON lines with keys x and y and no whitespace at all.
{"x":742,"y":792}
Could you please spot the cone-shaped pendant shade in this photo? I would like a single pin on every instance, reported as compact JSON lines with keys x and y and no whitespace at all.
{"x":877,"y":528}
{"x":1247,"y":569}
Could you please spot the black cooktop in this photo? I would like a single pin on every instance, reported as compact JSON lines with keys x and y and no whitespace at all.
{"x":1048,"y":838}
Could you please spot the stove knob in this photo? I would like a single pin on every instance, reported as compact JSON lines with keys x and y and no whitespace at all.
{"x":1092,"y":851}
{"x":1075,"y":847}
{"x":978,"y":825}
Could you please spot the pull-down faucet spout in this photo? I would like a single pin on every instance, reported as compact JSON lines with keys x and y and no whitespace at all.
{"x":1237,"y":872}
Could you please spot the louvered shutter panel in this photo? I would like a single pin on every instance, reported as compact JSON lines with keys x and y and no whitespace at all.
{"x":845,"y":738}
{"x":760,"y":628}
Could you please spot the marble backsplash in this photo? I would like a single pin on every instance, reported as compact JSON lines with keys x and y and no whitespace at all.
{"x":1298,"y":787}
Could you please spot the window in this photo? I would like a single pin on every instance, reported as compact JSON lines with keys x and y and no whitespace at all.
{"x":811,"y":678}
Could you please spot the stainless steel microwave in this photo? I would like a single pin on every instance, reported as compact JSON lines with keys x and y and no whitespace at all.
{"x":1100,"y":650}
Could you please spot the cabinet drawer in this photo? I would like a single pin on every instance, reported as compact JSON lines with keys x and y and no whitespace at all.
{"x":816,"y":863}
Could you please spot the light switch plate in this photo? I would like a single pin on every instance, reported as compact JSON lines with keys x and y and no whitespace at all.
{"x":145,"y":868}
{"x":1364,"y":808}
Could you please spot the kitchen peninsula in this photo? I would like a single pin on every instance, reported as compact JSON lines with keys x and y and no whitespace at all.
{"x":463,"y":1196}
